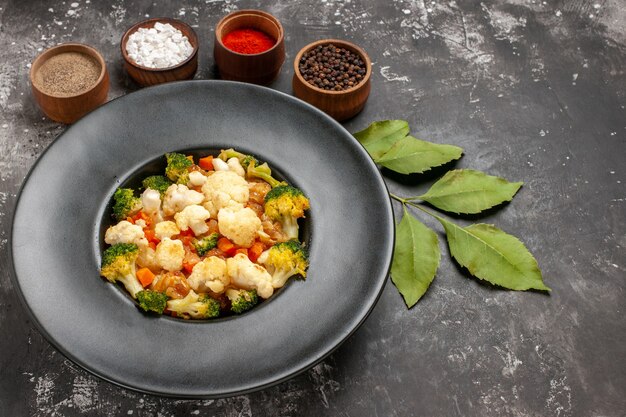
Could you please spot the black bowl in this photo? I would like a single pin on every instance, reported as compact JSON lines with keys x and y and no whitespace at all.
{"x":58,"y":226}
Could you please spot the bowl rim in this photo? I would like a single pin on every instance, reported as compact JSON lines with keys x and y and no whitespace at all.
{"x":173,"y":392}
{"x":50,"y":52}
{"x":342,"y":43}
{"x":256,"y":12}
{"x":193,"y":40}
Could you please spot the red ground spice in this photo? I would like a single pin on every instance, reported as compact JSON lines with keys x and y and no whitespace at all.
{"x":248,"y":41}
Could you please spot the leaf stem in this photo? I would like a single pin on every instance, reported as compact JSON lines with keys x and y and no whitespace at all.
{"x":409,"y":201}
{"x":403,"y":200}
{"x":398,"y":198}
{"x":422,"y":208}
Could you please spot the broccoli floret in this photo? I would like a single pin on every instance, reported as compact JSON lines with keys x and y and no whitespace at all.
{"x":177,"y":168}
{"x":254,"y":168}
{"x":118,"y":265}
{"x":286,"y":204}
{"x":249,"y":160}
{"x":125,"y":203}
{"x":284,"y":260}
{"x":263,"y":172}
{"x":206,"y":243}
{"x":244,"y":160}
{"x":152,"y":301}
{"x":195,"y":306}
{"x":157,"y":182}
{"x":241,"y":300}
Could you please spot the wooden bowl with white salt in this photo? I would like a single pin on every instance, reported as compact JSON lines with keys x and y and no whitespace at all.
{"x":68,"y":81}
{"x":149,"y":67}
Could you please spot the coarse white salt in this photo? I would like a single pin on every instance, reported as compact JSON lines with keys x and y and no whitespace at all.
{"x":161,"y":46}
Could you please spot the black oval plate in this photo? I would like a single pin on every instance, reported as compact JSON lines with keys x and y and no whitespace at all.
{"x":56,"y":240}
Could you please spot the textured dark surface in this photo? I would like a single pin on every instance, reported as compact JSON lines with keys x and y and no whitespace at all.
{"x":532,"y":90}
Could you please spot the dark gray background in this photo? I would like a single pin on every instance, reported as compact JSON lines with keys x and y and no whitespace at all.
{"x":533,"y":90}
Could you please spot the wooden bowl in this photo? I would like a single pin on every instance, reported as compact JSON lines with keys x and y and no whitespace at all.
{"x":145,"y":76}
{"x":65,"y":108}
{"x":340,"y":105}
{"x":261,"y":68}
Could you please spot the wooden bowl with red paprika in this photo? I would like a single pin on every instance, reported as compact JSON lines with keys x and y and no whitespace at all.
{"x":249,"y":47}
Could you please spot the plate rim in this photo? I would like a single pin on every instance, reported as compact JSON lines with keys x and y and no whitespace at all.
{"x":250,"y":388}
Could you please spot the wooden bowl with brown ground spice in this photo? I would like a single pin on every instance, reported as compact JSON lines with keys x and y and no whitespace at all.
{"x":68,"y":81}
{"x":334,"y":76}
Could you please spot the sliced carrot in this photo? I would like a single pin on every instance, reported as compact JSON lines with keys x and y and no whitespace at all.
{"x":188,"y":266}
{"x":187,"y":242}
{"x":226,"y":246}
{"x":149,"y":233}
{"x":142,"y":216}
{"x":241,"y":250}
{"x":145,"y":276}
{"x":255,"y":251}
{"x":187,"y":232}
{"x":206,"y":163}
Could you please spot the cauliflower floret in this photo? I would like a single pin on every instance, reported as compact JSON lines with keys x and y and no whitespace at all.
{"x":240,"y":225}
{"x":178,"y":196}
{"x":196,"y":179}
{"x":220,"y":165}
{"x":147,"y":259}
{"x":151,"y":201}
{"x":165,"y":229}
{"x":170,"y":254}
{"x":235,"y":166}
{"x":125,"y":232}
{"x":247,"y":275}
{"x":223,"y":188}
{"x":209,"y":274}
{"x":193,"y":217}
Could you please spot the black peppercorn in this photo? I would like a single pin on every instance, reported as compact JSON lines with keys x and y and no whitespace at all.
{"x":331,"y":68}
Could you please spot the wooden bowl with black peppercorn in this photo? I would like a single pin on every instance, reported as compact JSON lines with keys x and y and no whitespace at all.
{"x":334,"y":76}
{"x":68,"y":81}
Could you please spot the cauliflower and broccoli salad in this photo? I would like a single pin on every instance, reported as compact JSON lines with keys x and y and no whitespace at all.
{"x":207,"y":238}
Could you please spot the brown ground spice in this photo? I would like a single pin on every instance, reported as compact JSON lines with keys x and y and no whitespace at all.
{"x":67,"y":74}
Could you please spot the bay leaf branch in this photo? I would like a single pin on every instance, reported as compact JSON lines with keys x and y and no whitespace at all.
{"x":379,"y":137}
{"x":412,"y":156}
{"x":492,"y":255}
{"x":416,"y":258}
{"x":469,"y":191}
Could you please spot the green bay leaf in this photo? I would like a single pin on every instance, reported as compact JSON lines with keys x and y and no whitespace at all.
{"x":492,"y":255}
{"x":380,"y":136}
{"x":411,"y":156}
{"x":469,"y":191}
{"x":415,"y":260}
